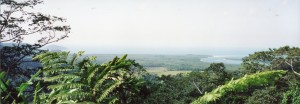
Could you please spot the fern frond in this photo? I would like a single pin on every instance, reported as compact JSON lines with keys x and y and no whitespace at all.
{"x":113,"y":101}
{"x":36,"y":98}
{"x":258,"y":79}
{"x":76,"y":81}
{"x":101,"y":80}
{"x":51,"y":56}
{"x":59,"y":70}
{"x":67,"y":102}
{"x":65,"y":96}
{"x":122,"y":59}
{"x":61,"y":77}
{"x":92,"y":74}
{"x":75,"y":57}
{"x":104,"y":72}
{"x":108,"y":90}
{"x":67,"y":86}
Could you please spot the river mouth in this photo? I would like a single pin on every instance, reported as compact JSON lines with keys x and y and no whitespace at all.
{"x":226,"y":59}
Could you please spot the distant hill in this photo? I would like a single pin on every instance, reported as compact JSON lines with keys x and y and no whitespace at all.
{"x":6,"y":44}
{"x":54,"y":48}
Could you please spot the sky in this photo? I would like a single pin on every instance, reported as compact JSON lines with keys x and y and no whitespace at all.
{"x":177,"y":26}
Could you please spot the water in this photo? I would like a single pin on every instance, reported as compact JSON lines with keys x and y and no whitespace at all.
{"x":227,"y":59}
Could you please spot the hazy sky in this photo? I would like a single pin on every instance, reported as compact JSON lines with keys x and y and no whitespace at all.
{"x":153,"y":26}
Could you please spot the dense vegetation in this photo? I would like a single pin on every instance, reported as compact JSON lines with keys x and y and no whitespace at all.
{"x":31,"y":75}
{"x":68,"y":78}
{"x":169,"y":62}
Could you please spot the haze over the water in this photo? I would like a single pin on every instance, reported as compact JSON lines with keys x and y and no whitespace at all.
{"x":178,"y":26}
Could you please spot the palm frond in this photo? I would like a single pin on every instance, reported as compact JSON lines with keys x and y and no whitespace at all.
{"x":239,"y":85}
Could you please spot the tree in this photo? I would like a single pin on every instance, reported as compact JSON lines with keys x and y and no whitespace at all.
{"x":268,"y":95}
{"x":185,"y":88}
{"x":17,"y":63}
{"x":18,"y":20}
{"x":286,"y":58}
{"x":130,"y":91}
{"x":217,"y":72}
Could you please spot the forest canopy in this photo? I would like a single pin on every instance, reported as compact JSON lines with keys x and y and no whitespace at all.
{"x":29,"y":74}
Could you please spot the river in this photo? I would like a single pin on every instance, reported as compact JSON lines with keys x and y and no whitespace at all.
{"x":227,"y":59}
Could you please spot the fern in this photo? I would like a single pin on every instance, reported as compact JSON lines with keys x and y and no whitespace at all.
{"x":108,"y":90}
{"x":36,"y":98}
{"x":67,"y":85}
{"x":76,"y":81}
{"x":61,"y":77}
{"x":239,"y":85}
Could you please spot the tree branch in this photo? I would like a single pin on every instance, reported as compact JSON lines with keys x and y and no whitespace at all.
{"x":197,"y":87}
{"x":292,"y":67}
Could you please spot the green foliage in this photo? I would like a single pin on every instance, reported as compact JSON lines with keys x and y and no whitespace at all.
{"x":16,"y":62}
{"x":19,"y":21}
{"x":216,"y":72}
{"x":292,"y":96}
{"x":4,"y":93}
{"x":72,"y":80}
{"x":239,"y":85}
{"x":10,"y":94}
{"x":66,"y":78}
{"x":185,"y":88}
{"x":170,"y":90}
{"x":268,"y":95}
{"x":285,"y":58}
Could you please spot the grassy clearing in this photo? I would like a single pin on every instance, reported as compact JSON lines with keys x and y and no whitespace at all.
{"x":163,"y":71}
